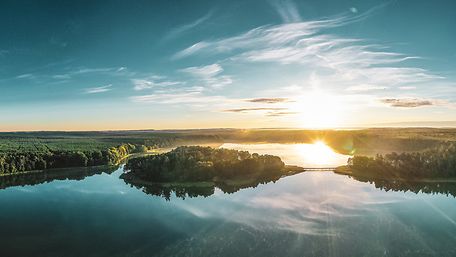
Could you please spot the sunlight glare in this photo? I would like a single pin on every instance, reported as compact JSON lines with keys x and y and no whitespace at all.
{"x":319,"y":110}
{"x":317,"y":153}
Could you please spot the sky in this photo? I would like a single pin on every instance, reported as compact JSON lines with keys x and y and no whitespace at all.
{"x":107,"y":65}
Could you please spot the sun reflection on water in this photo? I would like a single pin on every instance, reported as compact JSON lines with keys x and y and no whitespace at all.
{"x":316,"y":155}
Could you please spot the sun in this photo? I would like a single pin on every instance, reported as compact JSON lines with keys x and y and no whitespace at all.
{"x":319,"y":110}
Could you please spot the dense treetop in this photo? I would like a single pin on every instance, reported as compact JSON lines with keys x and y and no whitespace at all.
{"x":197,"y":163}
{"x":436,"y":162}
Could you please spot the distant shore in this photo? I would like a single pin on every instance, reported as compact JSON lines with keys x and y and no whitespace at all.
{"x":345,"y":170}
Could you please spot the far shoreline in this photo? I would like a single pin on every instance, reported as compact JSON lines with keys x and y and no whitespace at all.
{"x":345,"y":170}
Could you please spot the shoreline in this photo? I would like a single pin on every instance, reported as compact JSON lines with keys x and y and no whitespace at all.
{"x":345,"y":170}
{"x":120,"y":161}
{"x":289,"y":170}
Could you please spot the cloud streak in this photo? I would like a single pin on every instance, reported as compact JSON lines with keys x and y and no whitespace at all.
{"x":255,"y":109}
{"x":192,"y":97}
{"x":204,"y":71}
{"x":153,"y":82}
{"x":25,"y":76}
{"x":287,"y":10}
{"x":268,"y":100}
{"x":209,"y":75}
{"x":410,"y":102}
{"x":309,"y":44}
{"x":96,"y":90}
{"x":176,"y":32}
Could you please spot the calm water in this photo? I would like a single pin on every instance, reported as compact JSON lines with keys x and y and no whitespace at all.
{"x":309,"y":214}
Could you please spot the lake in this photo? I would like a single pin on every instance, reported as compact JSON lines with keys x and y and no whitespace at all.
{"x":309,"y":214}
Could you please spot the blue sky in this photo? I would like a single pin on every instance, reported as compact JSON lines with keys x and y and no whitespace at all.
{"x":90,"y":65}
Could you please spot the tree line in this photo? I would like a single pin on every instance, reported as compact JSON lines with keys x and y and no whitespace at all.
{"x":14,"y":162}
{"x":439,"y":161}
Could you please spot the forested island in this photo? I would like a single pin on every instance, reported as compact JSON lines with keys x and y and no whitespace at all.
{"x":193,"y":166}
{"x":198,"y":163}
{"x":437,"y":162}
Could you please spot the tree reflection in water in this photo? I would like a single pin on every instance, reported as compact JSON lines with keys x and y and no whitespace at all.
{"x":46,"y":176}
{"x":190,"y":190}
{"x":183,"y":190}
{"x":443,"y":186}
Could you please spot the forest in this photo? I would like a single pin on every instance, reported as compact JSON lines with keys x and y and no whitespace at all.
{"x":437,"y":162}
{"x":17,"y":162}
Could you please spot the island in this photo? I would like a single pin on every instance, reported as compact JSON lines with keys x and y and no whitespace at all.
{"x":190,"y":167}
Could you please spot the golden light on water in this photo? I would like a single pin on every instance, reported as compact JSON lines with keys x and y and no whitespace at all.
{"x":318,"y":153}
{"x":315,"y":155}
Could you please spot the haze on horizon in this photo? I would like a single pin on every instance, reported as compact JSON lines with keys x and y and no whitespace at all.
{"x":97,"y":65}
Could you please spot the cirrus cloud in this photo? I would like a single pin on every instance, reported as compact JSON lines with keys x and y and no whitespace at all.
{"x":95,"y":90}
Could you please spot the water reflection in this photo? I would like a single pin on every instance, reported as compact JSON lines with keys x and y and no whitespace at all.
{"x":445,"y":187}
{"x":191,"y":190}
{"x":46,"y":176}
{"x":308,"y":214}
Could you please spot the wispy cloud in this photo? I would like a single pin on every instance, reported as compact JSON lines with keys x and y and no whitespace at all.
{"x":95,"y":90}
{"x":26,"y":76}
{"x":410,"y":102}
{"x":268,"y":100}
{"x":310,"y":45}
{"x":91,"y":70}
{"x":268,"y":36}
{"x":81,"y":71}
{"x":190,"y":50}
{"x":61,"y":76}
{"x":266,"y":111}
{"x":187,"y":27}
{"x":287,"y":10}
{"x":255,"y":109}
{"x":209,"y":75}
{"x":204,"y":71}
{"x":153,"y":82}
{"x":193,"y":97}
